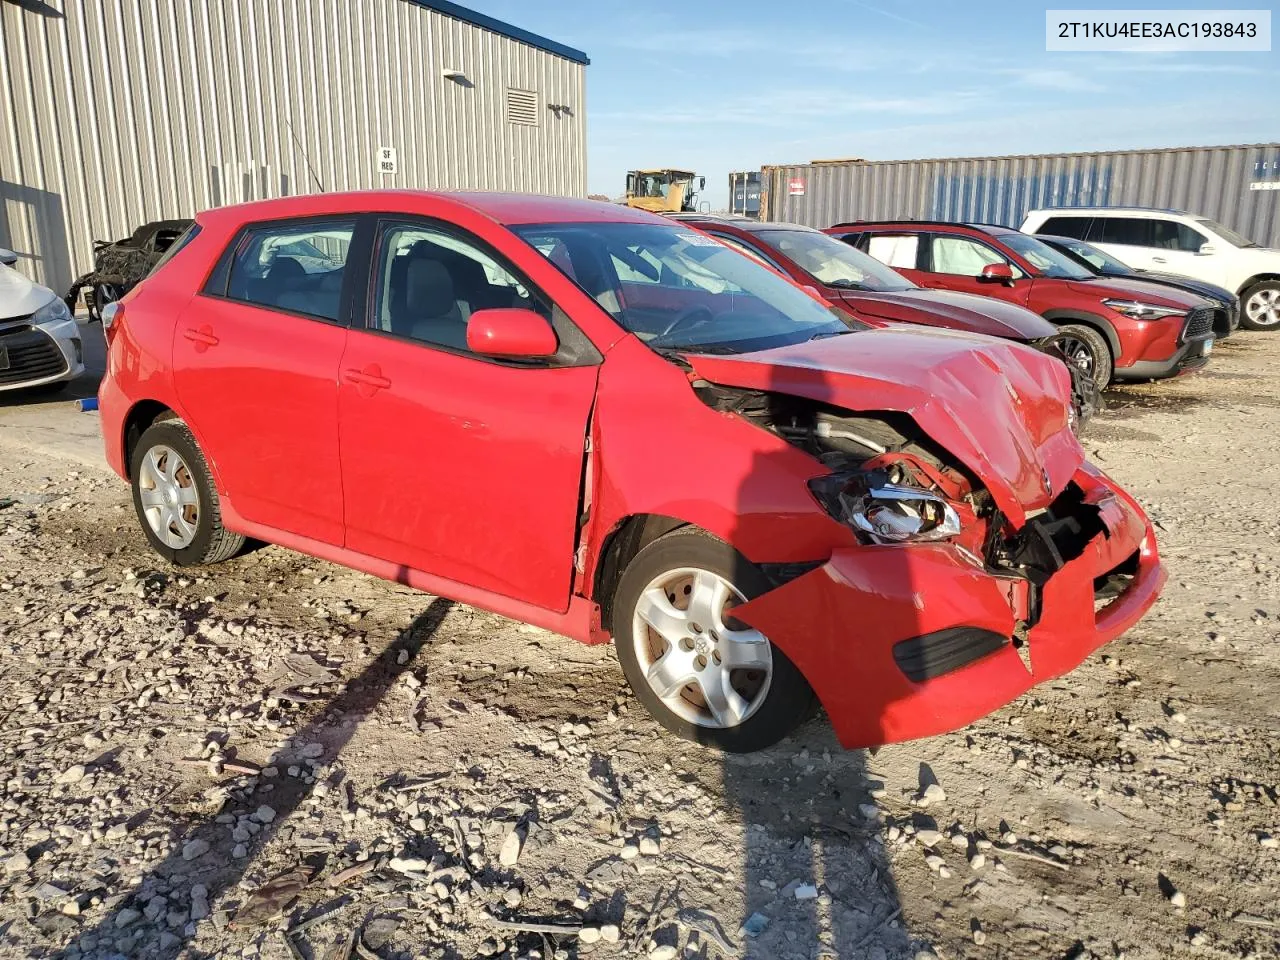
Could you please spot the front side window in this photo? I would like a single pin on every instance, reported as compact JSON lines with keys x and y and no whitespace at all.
{"x":833,"y":263}
{"x":296,"y":266}
{"x":429,"y":283}
{"x":897,"y":250}
{"x":680,"y":290}
{"x":1172,"y":235}
{"x":962,"y":257}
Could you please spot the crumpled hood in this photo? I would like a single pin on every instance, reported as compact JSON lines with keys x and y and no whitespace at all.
{"x":1134,"y":288}
{"x":999,"y":408}
{"x":948,"y":308}
{"x":20,"y":297}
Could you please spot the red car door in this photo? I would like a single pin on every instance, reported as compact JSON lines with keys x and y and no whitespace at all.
{"x":461,"y":466}
{"x":955,"y":262}
{"x":255,"y":359}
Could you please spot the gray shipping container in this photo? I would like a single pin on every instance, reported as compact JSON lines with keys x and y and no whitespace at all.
{"x":117,"y":112}
{"x":1239,"y":186}
{"x":744,"y":193}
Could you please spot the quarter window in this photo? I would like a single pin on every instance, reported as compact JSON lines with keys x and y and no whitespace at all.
{"x":296,"y":266}
{"x":429,"y":283}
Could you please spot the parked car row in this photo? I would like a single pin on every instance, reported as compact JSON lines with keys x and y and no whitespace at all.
{"x":612,"y":425}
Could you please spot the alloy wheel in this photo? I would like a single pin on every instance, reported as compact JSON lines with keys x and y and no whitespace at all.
{"x":705,"y":668}
{"x":1263,"y":307}
{"x":169,"y":498}
{"x":1077,"y":352}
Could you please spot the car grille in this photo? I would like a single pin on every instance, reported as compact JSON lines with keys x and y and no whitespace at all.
{"x":32,"y":356}
{"x":1199,"y":324}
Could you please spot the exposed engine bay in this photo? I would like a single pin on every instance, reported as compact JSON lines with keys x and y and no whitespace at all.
{"x":892,"y":484}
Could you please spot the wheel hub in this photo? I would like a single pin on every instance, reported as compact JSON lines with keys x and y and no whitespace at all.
{"x":167,"y":491}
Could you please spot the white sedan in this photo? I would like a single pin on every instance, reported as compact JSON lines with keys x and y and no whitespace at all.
{"x":39,"y":341}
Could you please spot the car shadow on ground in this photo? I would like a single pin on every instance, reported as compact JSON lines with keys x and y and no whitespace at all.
{"x":286,"y":796}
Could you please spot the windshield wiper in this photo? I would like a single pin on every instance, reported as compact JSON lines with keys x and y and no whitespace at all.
{"x":843,"y":284}
{"x":825,"y":334}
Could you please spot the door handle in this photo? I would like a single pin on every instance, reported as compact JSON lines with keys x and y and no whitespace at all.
{"x":1159,"y":260}
{"x":371,"y":376}
{"x":201,"y":336}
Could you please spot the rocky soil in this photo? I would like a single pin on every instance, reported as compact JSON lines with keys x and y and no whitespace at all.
{"x":276,"y":757}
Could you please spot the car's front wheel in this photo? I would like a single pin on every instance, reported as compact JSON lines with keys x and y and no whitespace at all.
{"x":1087,"y":350}
{"x":176,"y":500}
{"x":702,"y":674}
{"x":1260,"y":307}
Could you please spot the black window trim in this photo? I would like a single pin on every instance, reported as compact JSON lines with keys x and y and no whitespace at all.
{"x":215,"y":286}
{"x":575,"y":348}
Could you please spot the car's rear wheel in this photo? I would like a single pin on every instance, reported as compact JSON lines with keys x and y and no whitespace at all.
{"x":1260,"y":307}
{"x":1086,"y":349}
{"x":176,"y":500}
{"x":700,"y":673}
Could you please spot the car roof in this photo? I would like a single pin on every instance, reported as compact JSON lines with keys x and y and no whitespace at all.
{"x":1122,"y":211}
{"x":506,"y":208}
{"x":743,"y":223}
{"x":994,"y":229}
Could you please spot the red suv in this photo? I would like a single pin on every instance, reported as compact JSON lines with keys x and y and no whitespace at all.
{"x":1116,"y":329}
{"x":598,"y":421}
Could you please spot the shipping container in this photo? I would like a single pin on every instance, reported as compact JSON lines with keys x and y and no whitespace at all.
{"x":1239,"y":186}
{"x":115,"y":114}
{"x":744,"y":194}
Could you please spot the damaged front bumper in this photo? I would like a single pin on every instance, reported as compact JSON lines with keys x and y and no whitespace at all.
{"x":901,"y":642}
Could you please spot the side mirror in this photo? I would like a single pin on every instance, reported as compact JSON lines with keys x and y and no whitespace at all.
{"x":702,"y":183}
{"x":996,"y":273}
{"x":1206,"y":249}
{"x":511,"y":332}
{"x":8,"y":257}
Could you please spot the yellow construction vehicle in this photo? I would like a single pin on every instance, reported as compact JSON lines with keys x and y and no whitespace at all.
{"x":663,"y":191}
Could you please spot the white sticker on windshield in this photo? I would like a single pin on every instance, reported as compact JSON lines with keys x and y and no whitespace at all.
{"x":698,"y":240}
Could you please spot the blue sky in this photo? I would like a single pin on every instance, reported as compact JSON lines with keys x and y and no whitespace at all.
{"x":717,"y":86}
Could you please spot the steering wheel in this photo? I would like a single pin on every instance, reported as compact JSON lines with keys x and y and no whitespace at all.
{"x":685,"y":318}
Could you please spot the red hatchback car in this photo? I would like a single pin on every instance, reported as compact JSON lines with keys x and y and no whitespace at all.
{"x":601,"y":422}
{"x":1114,"y":328}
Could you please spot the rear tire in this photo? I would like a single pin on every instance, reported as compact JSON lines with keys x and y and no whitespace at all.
{"x":1087,"y":349}
{"x":1260,"y":306}
{"x":741,"y":693}
{"x":176,"y":500}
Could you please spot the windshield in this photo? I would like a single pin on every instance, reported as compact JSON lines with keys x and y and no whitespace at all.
{"x":1050,"y":262}
{"x":677,"y":289}
{"x":1101,"y":262}
{"x":834,"y":263}
{"x":1230,"y":236}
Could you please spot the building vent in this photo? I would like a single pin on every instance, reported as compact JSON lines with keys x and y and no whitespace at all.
{"x":522,"y":107}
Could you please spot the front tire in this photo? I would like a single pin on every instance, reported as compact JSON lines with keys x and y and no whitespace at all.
{"x":701,"y":674}
{"x":1087,"y":349}
{"x":176,"y":500}
{"x":1260,"y":306}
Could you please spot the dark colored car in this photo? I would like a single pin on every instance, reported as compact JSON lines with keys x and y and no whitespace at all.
{"x":847,"y":276}
{"x":1105,"y":265}
{"x":1115,"y":328}
{"x":120,"y":265}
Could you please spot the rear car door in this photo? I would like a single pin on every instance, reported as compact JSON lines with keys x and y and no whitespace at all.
{"x":955,"y":262}
{"x":255,"y":359}
{"x":459,"y":465}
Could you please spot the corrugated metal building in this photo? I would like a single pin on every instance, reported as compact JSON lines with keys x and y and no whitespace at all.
{"x":1236,"y":185}
{"x":118,"y":112}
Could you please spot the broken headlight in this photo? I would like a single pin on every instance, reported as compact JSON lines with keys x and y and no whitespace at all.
{"x":885,"y":512}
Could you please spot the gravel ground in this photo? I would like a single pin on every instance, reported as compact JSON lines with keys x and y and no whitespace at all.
{"x":276,"y":757}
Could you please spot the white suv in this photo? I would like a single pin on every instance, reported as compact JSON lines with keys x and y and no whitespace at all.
{"x":1176,"y":242}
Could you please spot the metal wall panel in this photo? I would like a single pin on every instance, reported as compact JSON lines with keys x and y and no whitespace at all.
{"x":1233,"y":185}
{"x":116,"y":112}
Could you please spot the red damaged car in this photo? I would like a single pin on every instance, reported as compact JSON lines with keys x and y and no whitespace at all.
{"x":607,"y":424}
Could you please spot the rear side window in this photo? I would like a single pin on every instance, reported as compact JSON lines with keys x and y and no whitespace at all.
{"x":1077,"y":227}
{"x":898,"y":250}
{"x":186,"y":237}
{"x":1126,"y":231}
{"x":294,"y":265}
